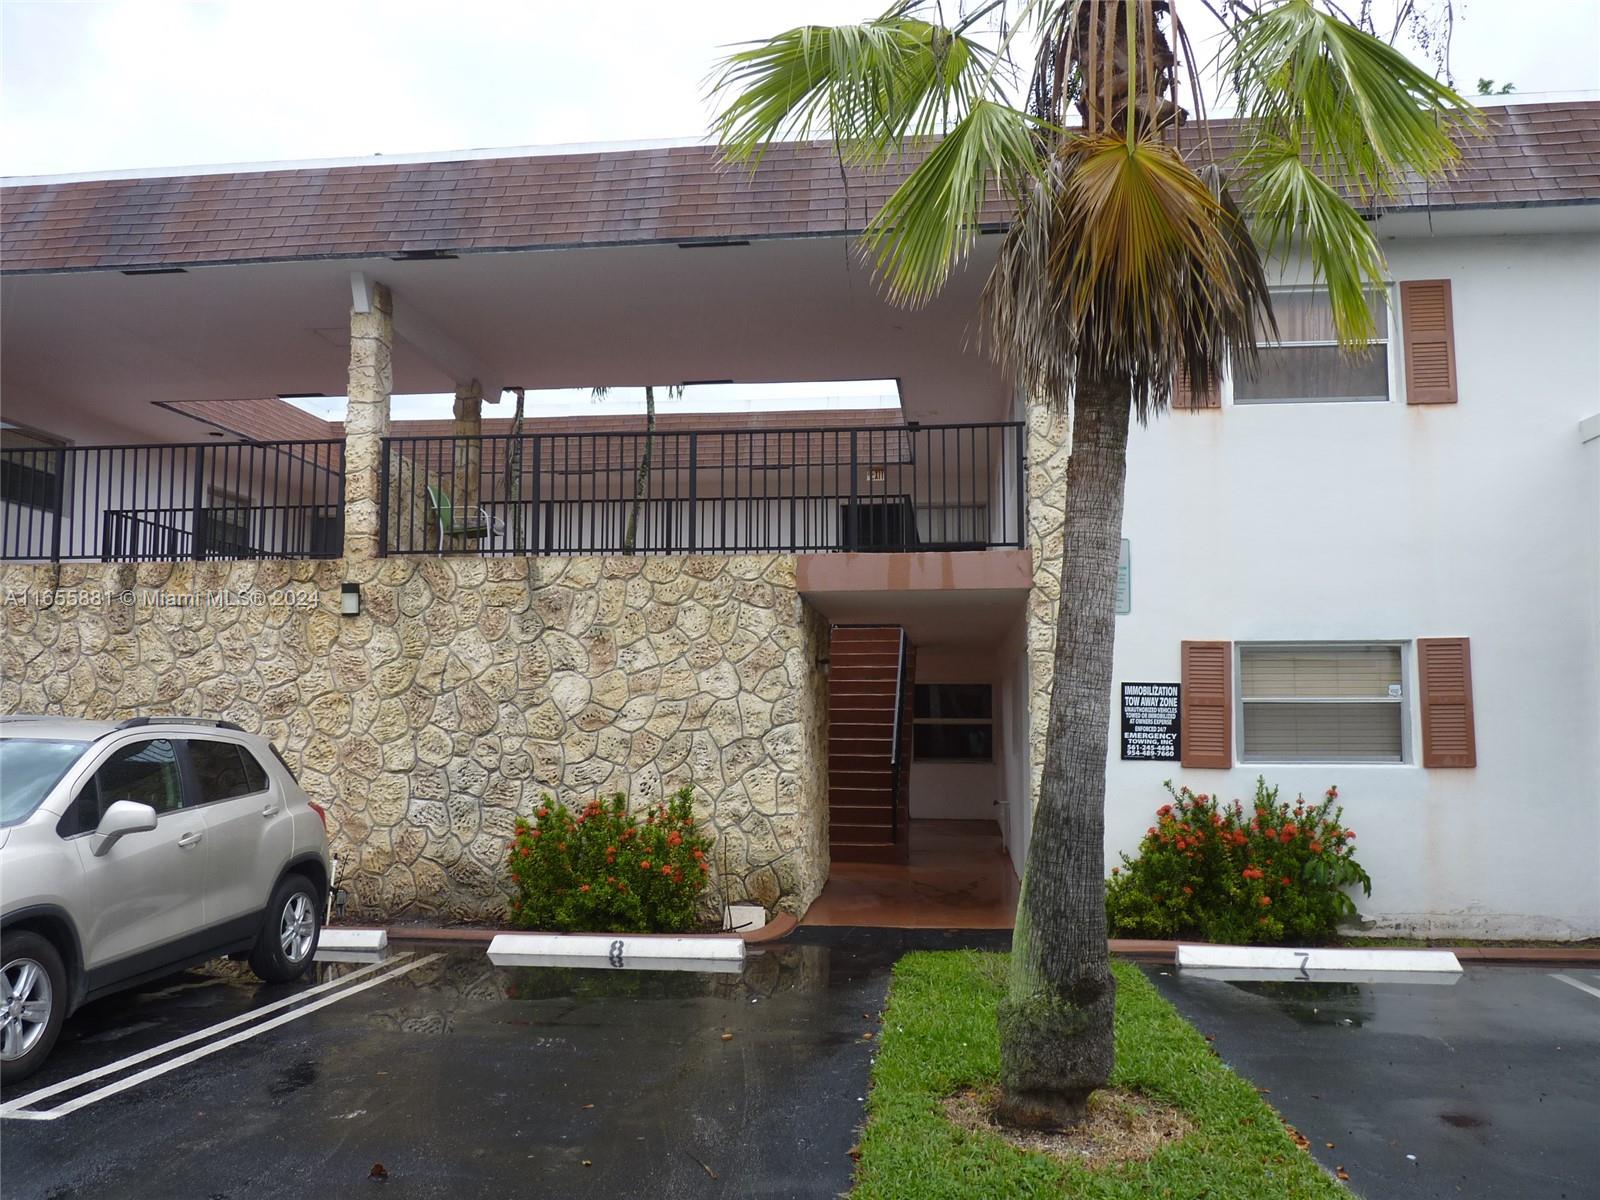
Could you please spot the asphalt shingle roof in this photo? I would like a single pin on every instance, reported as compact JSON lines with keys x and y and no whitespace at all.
{"x":1533,"y":154}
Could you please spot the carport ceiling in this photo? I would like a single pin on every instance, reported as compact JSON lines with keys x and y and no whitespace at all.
{"x":798,"y":309}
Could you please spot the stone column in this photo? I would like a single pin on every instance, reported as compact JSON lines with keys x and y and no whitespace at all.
{"x":467,"y":473}
{"x":1049,"y":448}
{"x":366,"y":421}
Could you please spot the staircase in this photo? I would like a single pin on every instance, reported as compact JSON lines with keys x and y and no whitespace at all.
{"x":870,"y":667}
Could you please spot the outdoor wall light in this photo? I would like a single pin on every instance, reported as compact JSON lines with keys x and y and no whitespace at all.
{"x":822,"y":665}
{"x":350,"y":599}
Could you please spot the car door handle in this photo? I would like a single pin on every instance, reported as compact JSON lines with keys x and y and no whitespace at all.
{"x":189,"y":839}
{"x":269,"y":810}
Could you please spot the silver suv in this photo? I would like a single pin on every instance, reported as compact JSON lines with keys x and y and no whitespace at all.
{"x":131,"y":850}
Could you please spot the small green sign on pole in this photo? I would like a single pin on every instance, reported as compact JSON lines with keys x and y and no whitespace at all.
{"x":1124,"y":579}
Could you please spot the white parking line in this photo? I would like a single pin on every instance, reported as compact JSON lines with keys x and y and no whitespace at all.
{"x":13,"y":1109}
{"x":1582,"y":987}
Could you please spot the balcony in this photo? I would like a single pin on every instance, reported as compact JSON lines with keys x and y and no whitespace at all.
{"x":793,"y":491}
{"x":168,"y":503}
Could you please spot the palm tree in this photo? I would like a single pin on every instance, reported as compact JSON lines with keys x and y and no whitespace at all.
{"x":1126,"y":264}
{"x":641,"y":474}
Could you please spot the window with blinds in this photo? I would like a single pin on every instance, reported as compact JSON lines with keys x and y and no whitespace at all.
{"x":1315,"y":703}
{"x":1304,"y":363}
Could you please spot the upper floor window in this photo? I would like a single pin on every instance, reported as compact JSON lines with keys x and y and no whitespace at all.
{"x":30,"y":468}
{"x":1305,"y":363}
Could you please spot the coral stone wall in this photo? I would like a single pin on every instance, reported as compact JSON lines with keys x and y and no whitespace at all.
{"x":1049,"y":447}
{"x":465,"y":689}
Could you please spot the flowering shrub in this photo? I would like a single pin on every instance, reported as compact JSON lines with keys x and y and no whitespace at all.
{"x":1219,"y":873}
{"x":600,"y":869}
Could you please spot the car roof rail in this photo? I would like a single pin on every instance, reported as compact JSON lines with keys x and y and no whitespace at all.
{"x":141,"y":722}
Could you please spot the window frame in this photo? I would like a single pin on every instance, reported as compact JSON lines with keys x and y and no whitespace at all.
{"x":1404,"y":701}
{"x":990,"y":721}
{"x":194,"y":795}
{"x":179,"y":759}
{"x":1394,"y":363}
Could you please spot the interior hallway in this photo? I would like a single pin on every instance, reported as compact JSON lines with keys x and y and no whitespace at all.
{"x":959,"y":877}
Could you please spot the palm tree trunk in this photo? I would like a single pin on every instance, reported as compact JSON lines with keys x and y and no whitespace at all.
{"x":1056,"y":1021}
{"x":641,"y":478}
{"x":514,"y":475}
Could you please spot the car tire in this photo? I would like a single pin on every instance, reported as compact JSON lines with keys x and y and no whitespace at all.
{"x":288,"y":939}
{"x":34,"y":976}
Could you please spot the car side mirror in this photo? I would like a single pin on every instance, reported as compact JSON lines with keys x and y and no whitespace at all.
{"x":122,"y":818}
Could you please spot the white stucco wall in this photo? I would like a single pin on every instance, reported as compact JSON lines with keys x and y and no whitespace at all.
{"x":1388,"y":522}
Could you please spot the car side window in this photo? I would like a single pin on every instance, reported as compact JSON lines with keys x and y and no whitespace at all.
{"x":143,"y":772}
{"x":224,"y":770}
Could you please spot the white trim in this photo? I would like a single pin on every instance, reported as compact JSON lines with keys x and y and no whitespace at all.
{"x":352,"y":939}
{"x":1319,"y":958}
{"x":616,"y":950}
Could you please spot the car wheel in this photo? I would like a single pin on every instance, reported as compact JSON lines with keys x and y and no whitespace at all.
{"x":33,"y":1003}
{"x":288,"y":939}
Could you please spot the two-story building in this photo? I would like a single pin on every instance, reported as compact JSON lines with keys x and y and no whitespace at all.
{"x":1380,"y":571}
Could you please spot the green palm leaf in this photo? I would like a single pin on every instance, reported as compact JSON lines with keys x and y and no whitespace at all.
{"x":1366,"y":115}
{"x":870,"y":86}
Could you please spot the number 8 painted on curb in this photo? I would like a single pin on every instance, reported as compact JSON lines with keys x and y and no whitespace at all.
{"x":616,"y":953}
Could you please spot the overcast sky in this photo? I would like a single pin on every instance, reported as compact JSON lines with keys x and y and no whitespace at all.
{"x":94,"y":85}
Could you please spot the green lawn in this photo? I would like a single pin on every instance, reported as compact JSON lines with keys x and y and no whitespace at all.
{"x":939,"y":1035}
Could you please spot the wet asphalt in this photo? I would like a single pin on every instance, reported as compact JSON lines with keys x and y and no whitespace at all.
{"x":1485,"y":1088}
{"x":450,"y":1077}
{"x":459,"y":1079}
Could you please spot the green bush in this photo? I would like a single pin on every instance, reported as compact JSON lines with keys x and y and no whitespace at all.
{"x":600,"y":869}
{"x":1212,"y":871}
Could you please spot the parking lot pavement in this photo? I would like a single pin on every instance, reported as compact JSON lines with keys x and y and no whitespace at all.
{"x":438,"y":1074}
{"x":1488,"y":1087}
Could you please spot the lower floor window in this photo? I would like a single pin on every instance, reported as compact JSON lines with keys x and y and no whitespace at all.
{"x":953,"y":722}
{"x":1321,"y":703}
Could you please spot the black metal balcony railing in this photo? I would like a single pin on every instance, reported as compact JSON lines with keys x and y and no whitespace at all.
{"x":802,"y":490}
{"x":197,"y":500}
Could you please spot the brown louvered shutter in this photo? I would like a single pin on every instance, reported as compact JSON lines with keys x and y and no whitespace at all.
{"x":1205,"y":707}
{"x":1429,"y":331}
{"x":1444,"y":671}
{"x":1184,"y":395}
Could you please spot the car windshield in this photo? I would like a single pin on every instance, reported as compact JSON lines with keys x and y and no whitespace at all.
{"x":29,"y":768}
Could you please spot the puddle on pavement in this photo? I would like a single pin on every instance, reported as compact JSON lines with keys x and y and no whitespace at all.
{"x":1314,"y":1003}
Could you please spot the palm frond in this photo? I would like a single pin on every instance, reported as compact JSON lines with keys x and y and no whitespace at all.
{"x":928,"y":224}
{"x":1297,"y":212}
{"x":870,"y":87}
{"x":1366,"y":115}
{"x":1125,"y":265}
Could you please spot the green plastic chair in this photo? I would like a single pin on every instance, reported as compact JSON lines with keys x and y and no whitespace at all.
{"x":444,"y":515}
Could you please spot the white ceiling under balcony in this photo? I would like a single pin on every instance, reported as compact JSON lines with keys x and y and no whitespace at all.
{"x":110,"y":345}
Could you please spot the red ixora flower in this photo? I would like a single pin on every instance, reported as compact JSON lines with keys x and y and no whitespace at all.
{"x":544,"y":812}
{"x":1266,"y":900}
{"x":1316,"y":847}
{"x":674,"y":838}
{"x":644,"y":864}
{"x":1187,"y":890}
{"x":583,"y":887}
{"x":1164,"y":811}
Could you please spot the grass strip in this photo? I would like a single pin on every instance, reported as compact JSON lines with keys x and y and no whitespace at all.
{"x":939,"y":1036}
